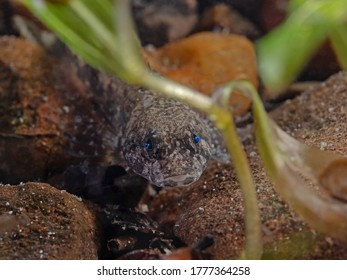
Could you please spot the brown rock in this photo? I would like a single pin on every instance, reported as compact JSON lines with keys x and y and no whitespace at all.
{"x":206,"y":61}
{"x":224,"y":18}
{"x":51,"y":224}
{"x":248,"y":8}
{"x":5,"y":18}
{"x":130,"y":231}
{"x":45,"y":114}
{"x":272,"y":13}
{"x":213,"y":205}
{"x":159,"y":22}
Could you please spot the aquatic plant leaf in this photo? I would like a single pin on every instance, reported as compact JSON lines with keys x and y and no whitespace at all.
{"x":290,"y":164}
{"x":284,"y":52}
{"x":313,"y":182}
{"x":334,"y":179}
{"x":339,"y":41}
{"x":295,"y":246}
{"x":89,"y":28}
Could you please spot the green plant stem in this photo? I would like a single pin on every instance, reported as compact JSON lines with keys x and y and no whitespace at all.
{"x":224,"y":122}
{"x":178,"y":91}
{"x":221,"y":117}
{"x":253,"y":248}
{"x":95,"y":24}
{"x":129,"y":47}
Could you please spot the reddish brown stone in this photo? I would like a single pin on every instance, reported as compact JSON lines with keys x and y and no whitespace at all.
{"x":206,"y":61}
{"x":46,"y":113}
{"x":52,"y":224}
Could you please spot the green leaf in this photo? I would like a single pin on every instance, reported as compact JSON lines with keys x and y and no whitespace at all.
{"x":339,"y":41}
{"x":291,"y":164}
{"x":89,"y":28}
{"x":283,"y":53}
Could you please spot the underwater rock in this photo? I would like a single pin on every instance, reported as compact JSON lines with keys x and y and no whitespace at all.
{"x":49,"y":224}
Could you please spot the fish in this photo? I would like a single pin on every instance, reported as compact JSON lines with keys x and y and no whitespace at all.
{"x":163,"y":140}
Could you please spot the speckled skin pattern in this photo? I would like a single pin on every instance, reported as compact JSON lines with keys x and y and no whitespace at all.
{"x":174,"y":159}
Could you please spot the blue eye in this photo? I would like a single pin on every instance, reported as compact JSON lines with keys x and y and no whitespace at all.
{"x":196,"y":138}
{"x":148,"y":145}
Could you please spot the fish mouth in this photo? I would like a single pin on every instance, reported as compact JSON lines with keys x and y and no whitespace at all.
{"x":178,"y":180}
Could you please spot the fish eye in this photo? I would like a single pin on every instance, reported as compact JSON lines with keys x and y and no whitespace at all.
{"x":148,"y":145}
{"x":196,"y":138}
